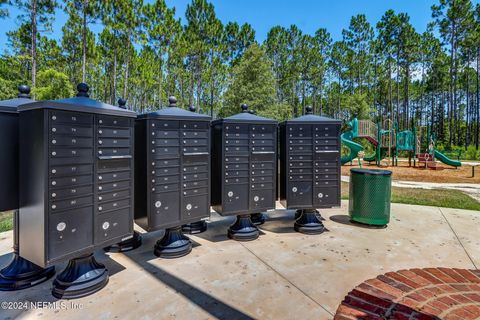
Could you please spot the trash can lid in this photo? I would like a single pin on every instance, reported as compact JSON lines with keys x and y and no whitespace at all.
{"x":376,"y":172}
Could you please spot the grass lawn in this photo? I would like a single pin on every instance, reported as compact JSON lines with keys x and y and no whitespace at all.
{"x":6,"y":221}
{"x":436,"y":198}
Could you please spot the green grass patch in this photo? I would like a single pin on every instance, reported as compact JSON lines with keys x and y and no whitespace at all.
{"x":435,"y":198}
{"x":6,"y":221}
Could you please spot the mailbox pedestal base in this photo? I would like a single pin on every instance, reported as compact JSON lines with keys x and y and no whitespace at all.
{"x":298,"y":213}
{"x":174,"y":244}
{"x":82,"y":277}
{"x":195,"y":227}
{"x":309,"y":223}
{"x":243,"y":229}
{"x":258,"y":218}
{"x":21,"y":274}
{"x":129,"y":244}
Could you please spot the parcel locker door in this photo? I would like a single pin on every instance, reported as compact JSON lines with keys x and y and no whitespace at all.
{"x":326,"y":196}
{"x":299,"y":193}
{"x":164,"y":208}
{"x":262,"y":199}
{"x":113,"y":224}
{"x":235,"y":197}
{"x":196,"y":206}
{"x":69,"y":231}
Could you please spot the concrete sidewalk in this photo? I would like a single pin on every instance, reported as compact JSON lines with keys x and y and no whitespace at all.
{"x":282,"y":275}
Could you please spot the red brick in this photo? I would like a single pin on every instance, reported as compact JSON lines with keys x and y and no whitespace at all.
{"x":374,"y":291}
{"x":363,"y":305}
{"x":430,"y":310}
{"x":440,"y":275}
{"x":451,"y":273}
{"x":446,"y":288}
{"x":427,"y":293}
{"x":448,"y":301}
{"x":436,"y":290}
{"x":371,"y":298}
{"x":474,"y":287}
{"x":473,"y":296}
{"x":414,"y":277}
{"x":453,"y":317}
{"x":460,"y":298}
{"x":423,"y":316}
{"x":439,"y":305}
{"x":409,"y":302}
{"x":460,"y":287}
{"x":463,"y":313}
{"x":417,"y":297}
{"x":399,"y":316}
{"x":394,"y":283}
{"x":385,"y":287}
{"x":342,"y":317}
{"x":468,"y":274}
{"x":349,"y":311}
{"x":427,"y":276}
{"x":473,"y":309}
{"x":398,"y":277}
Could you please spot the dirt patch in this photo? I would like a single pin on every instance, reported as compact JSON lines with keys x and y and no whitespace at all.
{"x":446,"y":174}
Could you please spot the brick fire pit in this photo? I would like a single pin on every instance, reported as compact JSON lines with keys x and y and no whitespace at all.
{"x":431,"y":293}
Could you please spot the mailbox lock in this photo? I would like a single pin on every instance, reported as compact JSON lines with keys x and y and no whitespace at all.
{"x":100,"y":178}
{"x":54,"y":118}
{"x":54,"y":206}
{"x":256,"y":198}
{"x":54,"y":171}
{"x":54,"y":195}
{"x":189,"y":206}
{"x":54,"y":153}
{"x":54,"y":141}
{"x":294,"y":189}
{"x":100,"y":208}
{"x":61,"y":226}
{"x":158,"y":204}
{"x":54,"y":129}
{"x":230,"y":194}
{"x":320,"y":195}
{"x":54,"y":183}
{"x":100,"y":141}
{"x":105,"y":225}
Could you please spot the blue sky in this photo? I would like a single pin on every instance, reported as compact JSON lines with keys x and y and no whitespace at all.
{"x":308,"y":15}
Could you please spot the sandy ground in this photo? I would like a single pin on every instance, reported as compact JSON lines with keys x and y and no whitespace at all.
{"x":403,"y":172}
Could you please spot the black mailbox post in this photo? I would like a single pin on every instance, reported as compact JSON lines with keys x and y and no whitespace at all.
{"x":76,"y":186}
{"x":243,"y":169}
{"x":310,"y":168}
{"x":172,"y":175}
{"x":19,"y":273}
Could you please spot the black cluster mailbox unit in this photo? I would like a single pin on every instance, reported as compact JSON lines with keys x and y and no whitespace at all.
{"x":244,"y":156}
{"x":19,"y":273}
{"x":310,"y":168}
{"x":76,"y":178}
{"x":172,"y":175}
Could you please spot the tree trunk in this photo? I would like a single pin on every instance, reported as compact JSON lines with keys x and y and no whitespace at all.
{"x":84,"y":41}
{"x":34,"y":43}
{"x":127,"y":64}
{"x":114,"y":93}
{"x":477,"y":117}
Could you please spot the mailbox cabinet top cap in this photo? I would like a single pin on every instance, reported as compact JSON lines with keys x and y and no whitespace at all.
{"x":11,"y":106}
{"x":172,"y":112}
{"x":310,"y":117}
{"x":246,"y":116}
{"x":80,"y":103}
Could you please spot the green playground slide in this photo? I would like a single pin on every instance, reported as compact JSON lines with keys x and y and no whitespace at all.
{"x":443,"y":158}
{"x":354,"y":147}
{"x":373,"y":157}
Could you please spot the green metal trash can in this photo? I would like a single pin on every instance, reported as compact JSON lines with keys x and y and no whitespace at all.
{"x":370,"y":194}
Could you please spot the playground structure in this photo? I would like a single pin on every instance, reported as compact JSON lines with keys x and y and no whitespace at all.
{"x":388,"y":141}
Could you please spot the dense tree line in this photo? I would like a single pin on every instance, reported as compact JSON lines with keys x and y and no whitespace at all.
{"x":144,"y":53}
